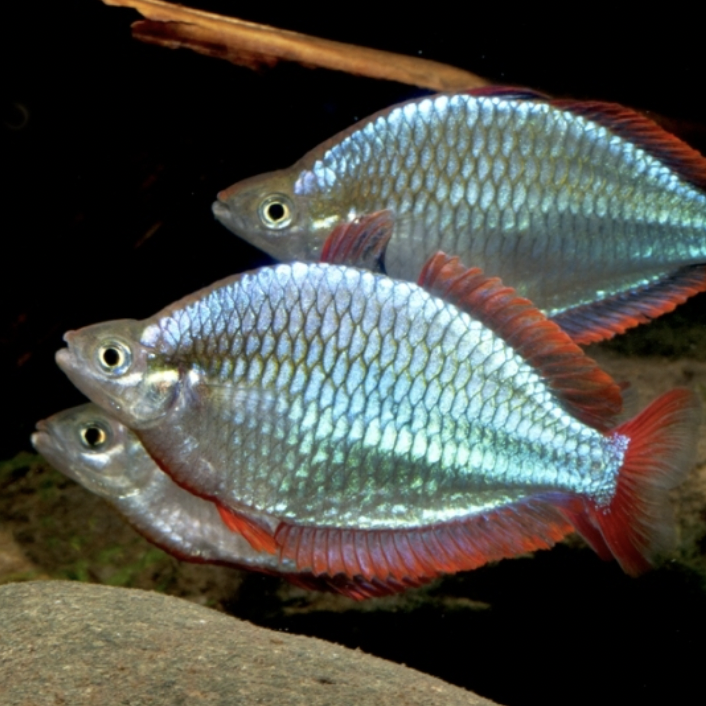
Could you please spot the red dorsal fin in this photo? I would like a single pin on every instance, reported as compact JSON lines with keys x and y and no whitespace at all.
{"x":360,"y":243}
{"x":584,"y":390}
{"x":388,"y":561}
{"x":260,"y":537}
{"x":623,"y":122}
{"x":643,"y":132}
{"x":508,"y":92}
{"x":604,"y":319}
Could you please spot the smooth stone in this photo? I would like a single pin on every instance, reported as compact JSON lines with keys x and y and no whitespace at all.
{"x":73,"y":643}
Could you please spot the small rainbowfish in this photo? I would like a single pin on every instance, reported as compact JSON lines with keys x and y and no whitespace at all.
{"x":104,"y":456}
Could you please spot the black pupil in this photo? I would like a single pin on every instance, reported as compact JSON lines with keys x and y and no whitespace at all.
{"x":93,"y":436}
{"x":275,"y":211}
{"x":111,"y":357}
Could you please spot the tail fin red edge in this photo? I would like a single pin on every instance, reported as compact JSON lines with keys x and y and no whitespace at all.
{"x":637,"y":524}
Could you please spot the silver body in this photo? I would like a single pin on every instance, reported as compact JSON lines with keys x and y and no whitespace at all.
{"x":331,"y":396}
{"x":561,"y":208}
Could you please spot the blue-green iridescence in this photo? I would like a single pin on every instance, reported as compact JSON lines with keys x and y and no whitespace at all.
{"x":332,"y":396}
{"x":552,"y":202}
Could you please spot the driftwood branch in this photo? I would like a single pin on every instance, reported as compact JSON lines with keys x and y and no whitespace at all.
{"x":255,"y":45}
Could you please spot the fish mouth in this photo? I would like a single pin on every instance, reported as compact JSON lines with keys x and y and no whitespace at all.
{"x":65,"y":360}
{"x":220,"y":209}
{"x":40,"y":439}
{"x":43,"y":440}
{"x":225,"y":215}
{"x":52,"y":449}
{"x":77,"y":371}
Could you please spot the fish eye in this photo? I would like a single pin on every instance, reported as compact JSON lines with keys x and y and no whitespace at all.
{"x":114,"y":357}
{"x":93,"y":436}
{"x":276,"y":211}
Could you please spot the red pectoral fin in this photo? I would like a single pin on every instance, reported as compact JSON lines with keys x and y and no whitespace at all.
{"x":360,"y":243}
{"x":260,"y":537}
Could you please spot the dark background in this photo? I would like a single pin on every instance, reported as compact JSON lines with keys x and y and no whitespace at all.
{"x":112,"y":152}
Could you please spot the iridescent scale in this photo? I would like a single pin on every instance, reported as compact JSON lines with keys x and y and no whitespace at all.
{"x":330,"y":395}
{"x":552,"y":202}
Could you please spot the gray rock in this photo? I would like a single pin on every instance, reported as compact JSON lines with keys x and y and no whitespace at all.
{"x":79,"y":644}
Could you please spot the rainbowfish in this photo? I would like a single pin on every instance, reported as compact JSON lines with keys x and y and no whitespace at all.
{"x":100,"y":453}
{"x":377,"y":429}
{"x":589,"y":209}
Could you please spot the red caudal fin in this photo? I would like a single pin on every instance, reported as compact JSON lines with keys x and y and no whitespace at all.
{"x":387,"y":561}
{"x":360,"y":243}
{"x":604,"y":319}
{"x":583,"y":389}
{"x":637,"y":523}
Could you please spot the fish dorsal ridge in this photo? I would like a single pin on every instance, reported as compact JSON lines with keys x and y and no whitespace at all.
{"x":583,"y":389}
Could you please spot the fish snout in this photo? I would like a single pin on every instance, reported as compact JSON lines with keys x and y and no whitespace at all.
{"x":224,"y":195}
{"x":42,"y":439}
{"x":64,"y":358}
{"x":219,"y":208}
{"x":226,"y":216}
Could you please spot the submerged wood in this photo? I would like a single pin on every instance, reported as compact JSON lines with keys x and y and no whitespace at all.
{"x":255,"y":45}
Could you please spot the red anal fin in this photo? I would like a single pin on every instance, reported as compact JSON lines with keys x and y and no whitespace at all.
{"x":509,"y":92}
{"x":583,"y":389}
{"x":389,"y":561}
{"x":356,"y":588}
{"x":604,"y":319}
{"x":637,"y":524}
{"x":261,"y":538}
{"x":360,"y":243}
{"x":643,"y":132}
{"x":589,"y":532}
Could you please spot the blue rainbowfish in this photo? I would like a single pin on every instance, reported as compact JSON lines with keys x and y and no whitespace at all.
{"x":590,"y":210}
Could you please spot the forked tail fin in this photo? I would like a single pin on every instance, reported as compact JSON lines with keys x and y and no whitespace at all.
{"x":638,"y":525}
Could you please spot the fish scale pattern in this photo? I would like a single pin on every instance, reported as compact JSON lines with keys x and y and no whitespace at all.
{"x":330,"y":394}
{"x":509,"y":184}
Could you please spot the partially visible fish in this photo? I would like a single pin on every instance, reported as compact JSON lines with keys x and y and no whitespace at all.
{"x":589,"y":209}
{"x":362,"y":426}
{"x":100,"y":453}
